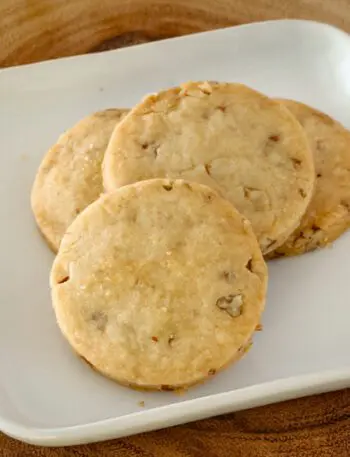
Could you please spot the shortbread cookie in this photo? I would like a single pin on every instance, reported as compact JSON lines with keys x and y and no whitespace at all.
{"x":160,"y":284}
{"x":69,"y":177}
{"x":244,"y":145}
{"x":328,"y":214}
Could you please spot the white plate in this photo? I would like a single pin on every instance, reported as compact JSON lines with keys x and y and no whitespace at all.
{"x":47,"y":395}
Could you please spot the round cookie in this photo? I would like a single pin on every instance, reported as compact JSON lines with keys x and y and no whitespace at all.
{"x":160,"y":284}
{"x":328,"y":214}
{"x":69,"y":177}
{"x":244,"y":145}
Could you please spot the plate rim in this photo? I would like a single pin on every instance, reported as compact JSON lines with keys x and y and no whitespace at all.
{"x":179,"y":413}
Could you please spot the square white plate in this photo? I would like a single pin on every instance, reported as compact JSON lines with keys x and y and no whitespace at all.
{"x":47,"y":395}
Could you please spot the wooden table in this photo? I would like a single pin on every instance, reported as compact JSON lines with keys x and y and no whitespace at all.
{"x":34,"y":30}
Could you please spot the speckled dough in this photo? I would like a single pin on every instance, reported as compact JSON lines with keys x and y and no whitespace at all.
{"x":159,"y":284}
{"x":244,"y":145}
{"x":69,"y":177}
{"x":328,"y":214}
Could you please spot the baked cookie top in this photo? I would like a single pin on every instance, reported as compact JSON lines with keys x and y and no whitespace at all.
{"x":69,"y":177}
{"x":244,"y":145}
{"x":328,"y":214}
{"x":159,"y":284}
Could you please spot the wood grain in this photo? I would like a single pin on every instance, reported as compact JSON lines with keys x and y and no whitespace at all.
{"x":34,"y":30}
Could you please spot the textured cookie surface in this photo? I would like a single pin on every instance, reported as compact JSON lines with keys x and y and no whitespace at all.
{"x":159,"y":284}
{"x":328,"y":214}
{"x":244,"y":145}
{"x":69,"y":177}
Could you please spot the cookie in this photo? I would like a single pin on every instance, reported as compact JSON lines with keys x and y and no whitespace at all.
{"x":159,"y":284}
{"x":244,"y":145}
{"x":69,"y":177}
{"x":328,"y":214}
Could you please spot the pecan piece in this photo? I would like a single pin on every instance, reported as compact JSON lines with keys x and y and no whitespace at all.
{"x":168,"y":187}
{"x":274,"y":138}
{"x":63,"y":280}
{"x":100,"y":319}
{"x":232,"y":304}
{"x":296,"y":163}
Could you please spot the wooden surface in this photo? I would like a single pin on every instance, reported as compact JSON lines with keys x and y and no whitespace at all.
{"x":34,"y":30}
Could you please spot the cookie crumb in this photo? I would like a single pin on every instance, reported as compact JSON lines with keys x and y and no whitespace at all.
{"x":259,"y":328}
{"x":141,"y":404}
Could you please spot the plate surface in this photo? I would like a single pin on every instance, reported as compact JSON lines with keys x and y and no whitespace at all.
{"x":47,"y":395}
